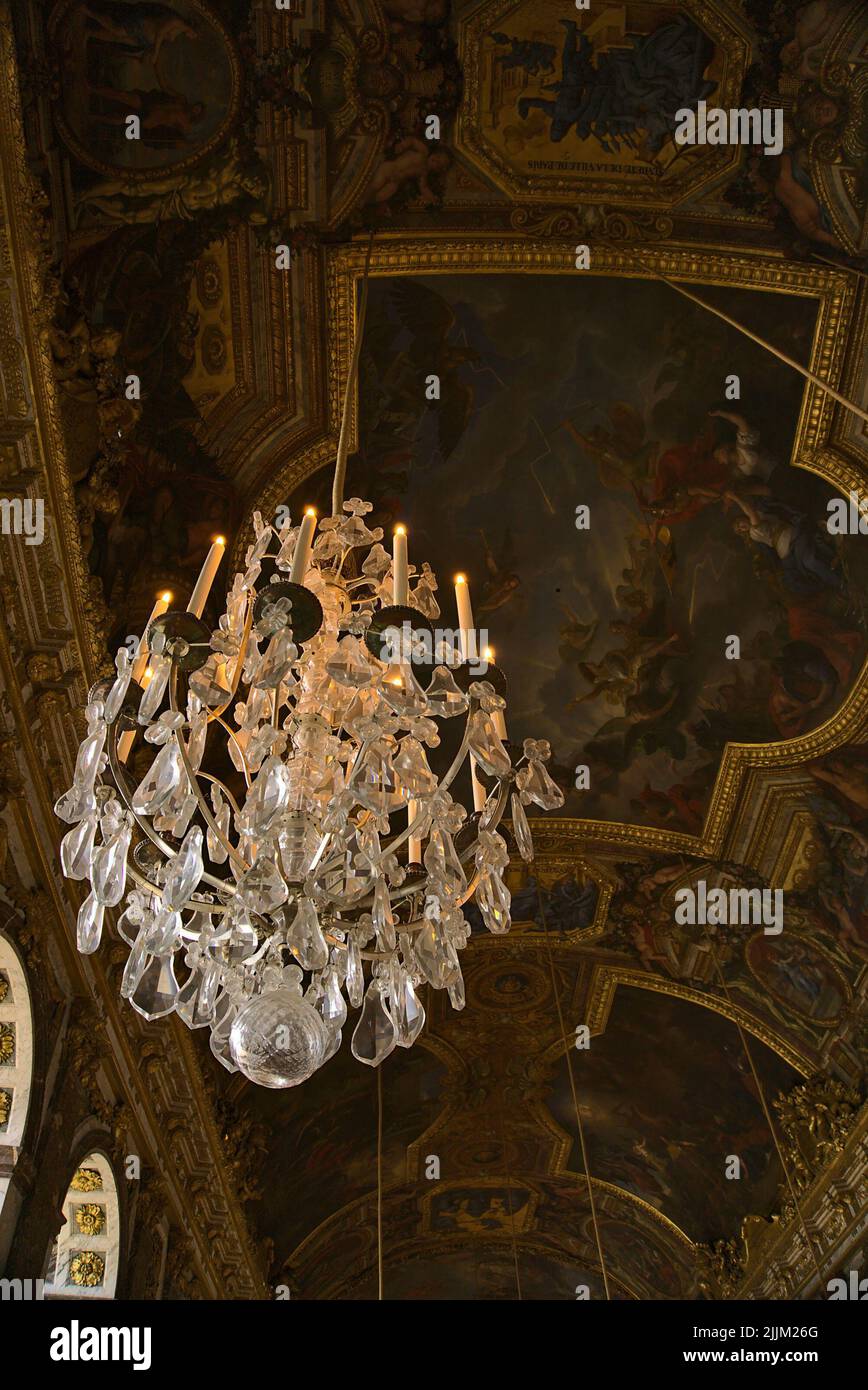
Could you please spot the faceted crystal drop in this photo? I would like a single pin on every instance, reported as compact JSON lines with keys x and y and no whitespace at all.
{"x":87,"y":762}
{"x":117,"y":694}
{"x":348,"y":664}
{"x":414,"y":775}
{"x":277,"y":661}
{"x":355,"y":973}
{"x":196,"y":999}
{"x":208,"y":684}
{"x":485,"y":744}
{"x":267,"y":799}
{"x":109,"y":876}
{"x":89,"y":926}
{"x":521,"y":829}
{"x":158,"y":784}
{"x":165,"y":933}
{"x":137,"y":961}
{"x":278,"y":1039}
{"x":305,"y":938}
{"x":243,"y":941}
{"x":75,"y":804}
{"x":455,"y":990}
{"x":383,"y":916}
{"x":196,"y":745}
{"x":76,"y":848}
{"x":374,"y":782}
{"x":402,"y":692}
{"x":185,"y":871}
{"x":155,"y":689}
{"x":130,"y":922}
{"x":432,"y":956}
{"x":332,"y":1005}
{"x":262,"y":889}
{"x":217,"y":851}
{"x":374,"y":1036}
{"x":335,"y":1038}
{"x":444,"y":697}
{"x":411,"y":1015}
{"x":157,"y":991}
{"x":534,"y":782}
{"x":493,"y":900}
{"x":220,"y":1048}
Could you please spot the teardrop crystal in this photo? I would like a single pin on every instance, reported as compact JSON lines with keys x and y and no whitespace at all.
{"x":76,"y":848}
{"x":374,"y":1036}
{"x":88,"y":929}
{"x":185,"y":870}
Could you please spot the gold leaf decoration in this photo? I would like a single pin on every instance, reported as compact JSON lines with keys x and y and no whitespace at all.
{"x":90,"y":1218}
{"x":87,"y":1180}
{"x":87,"y":1269}
{"x":5,"y":1107}
{"x":7,"y":1044}
{"x":4,"y":987}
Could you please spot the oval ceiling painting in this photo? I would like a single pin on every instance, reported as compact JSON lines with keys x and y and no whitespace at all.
{"x":169,"y":64}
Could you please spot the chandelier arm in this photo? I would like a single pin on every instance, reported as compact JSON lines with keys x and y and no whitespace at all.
{"x":239,"y":662}
{"x":147,"y":829}
{"x":194,"y":904}
{"x":193,"y":780}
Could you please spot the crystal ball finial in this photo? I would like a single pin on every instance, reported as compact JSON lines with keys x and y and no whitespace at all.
{"x":278,"y":1040}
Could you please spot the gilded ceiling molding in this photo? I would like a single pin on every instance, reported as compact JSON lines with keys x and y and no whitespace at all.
{"x":51,"y":614}
{"x":606,"y":979}
{"x":818,"y":445}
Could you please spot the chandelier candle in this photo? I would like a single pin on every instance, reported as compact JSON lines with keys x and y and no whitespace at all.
{"x":401,"y":585}
{"x":199,"y":596}
{"x":301,"y":557}
{"x":467,"y":637}
{"x":140,"y":665}
{"x":260,"y":872}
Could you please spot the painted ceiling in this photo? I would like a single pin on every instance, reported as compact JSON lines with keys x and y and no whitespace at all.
{"x":305,"y":128}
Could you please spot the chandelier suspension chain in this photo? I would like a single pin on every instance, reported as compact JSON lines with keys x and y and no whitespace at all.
{"x":765,"y":1109}
{"x":352,"y":380}
{"x":579,"y":1125}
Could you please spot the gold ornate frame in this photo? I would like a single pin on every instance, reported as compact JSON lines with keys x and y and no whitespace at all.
{"x":820,"y":443}
{"x":80,"y":150}
{"x":729,"y":36}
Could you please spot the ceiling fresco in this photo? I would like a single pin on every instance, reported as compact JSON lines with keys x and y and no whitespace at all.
{"x":559,"y":388}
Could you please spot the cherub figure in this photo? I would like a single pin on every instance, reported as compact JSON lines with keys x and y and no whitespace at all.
{"x":413,"y":159}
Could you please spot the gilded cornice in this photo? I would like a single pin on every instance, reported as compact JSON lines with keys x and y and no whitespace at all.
{"x":60,"y":620}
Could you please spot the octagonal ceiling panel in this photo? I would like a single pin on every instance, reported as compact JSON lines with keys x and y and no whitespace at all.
{"x":559,"y":102}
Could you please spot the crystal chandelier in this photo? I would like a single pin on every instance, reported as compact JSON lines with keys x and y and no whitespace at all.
{"x":334,"y":874}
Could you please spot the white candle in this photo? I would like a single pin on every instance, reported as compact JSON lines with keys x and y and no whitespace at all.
{"x":465,"y":618}
{"x":140,"y":666}
{"x":400,"y":572}
{"x":198,"y":598}
{"x":467,"y":638}
{"x":301,"y":554}
{"x":414,"y":844}
{"x":497,"y":715}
